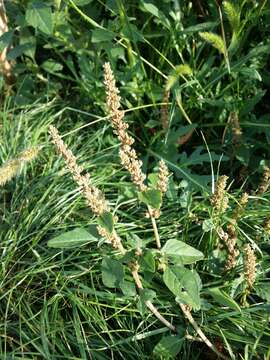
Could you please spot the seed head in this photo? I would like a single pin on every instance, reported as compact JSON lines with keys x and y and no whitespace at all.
{"x":94,"y":197}
{"x":163,"y":176}
{"x":128,"y":155}
{"x":267,"y":226}
{"x":9,"y":170}
{"x":262,"y":188}
{"x":240,"y":208}
{"x":219,"y":200}
{"x":250,"y":266}
{"x":29,"y":154}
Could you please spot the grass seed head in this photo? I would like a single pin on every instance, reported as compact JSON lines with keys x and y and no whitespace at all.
{"x":29,"y":154}
{"x":9,"y":170}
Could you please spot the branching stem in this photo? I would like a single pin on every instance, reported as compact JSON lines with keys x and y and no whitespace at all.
{"x":199,"y":331}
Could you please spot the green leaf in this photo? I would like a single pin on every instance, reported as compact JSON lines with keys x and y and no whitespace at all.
{"x":147,"y":261}
{"x":101,"y":35}
{"x":152,"y":197}
{"x":27,"y":38}
{"x":106,"y":221}
{"x":6,"y":39}
{"x":39,"y":15}
{"x":181,"y":251}
{"x":82,"y":2}
{"x":19,"y":50}
{"x":208,"y":225}
{"x":128,"y":288}
{"x":131,"y":32}
{"x":201,"y":27}
{"x":223,"y":299}
{"x":154,"y":10}
{"x":112,"y":272}
{"x":134,"y":241}
{"x":151,"y":8}
{"x":52,"y":66}
{"x":76,"y":237}
{"x":184,"y":284}
{"x":168,"y":347}
{"x":145,"y":295}
{"x":263,"y":290}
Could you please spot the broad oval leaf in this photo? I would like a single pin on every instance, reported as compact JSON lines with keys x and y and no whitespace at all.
{"x":168,"y":347}
{"x":39,"y":15}
{"x":112,"y":272}
{"x":102,"y":35}
{"x":184,"y":284}
{"x":106,"y":221}
{"x":181,"y":252}
{"x":152,"y":197}
{"x":76,"y":237}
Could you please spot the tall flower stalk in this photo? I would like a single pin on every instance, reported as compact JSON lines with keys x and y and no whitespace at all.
{"x":96,"y":201}
{"x":128,"y":155}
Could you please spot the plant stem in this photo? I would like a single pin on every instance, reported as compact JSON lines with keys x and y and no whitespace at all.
{"x":148,"y":303}
{"x":154,"y":224}
{"x":199,"y":331}
{"x":135,"y":274}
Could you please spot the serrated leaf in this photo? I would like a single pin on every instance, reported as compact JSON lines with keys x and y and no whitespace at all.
{"x":184,"y":284}
{"x":168,"y":347}
{"x":112,"y":272}
{"x":76,"y":237}
{"x":215,"y":40}
{"x":152,"y":197}
{"x":101,"y":35}
{"x":181,"y":251}
{"x":106,"y":221}
{"x":223,"y":299}
{"x":39,"y":15}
